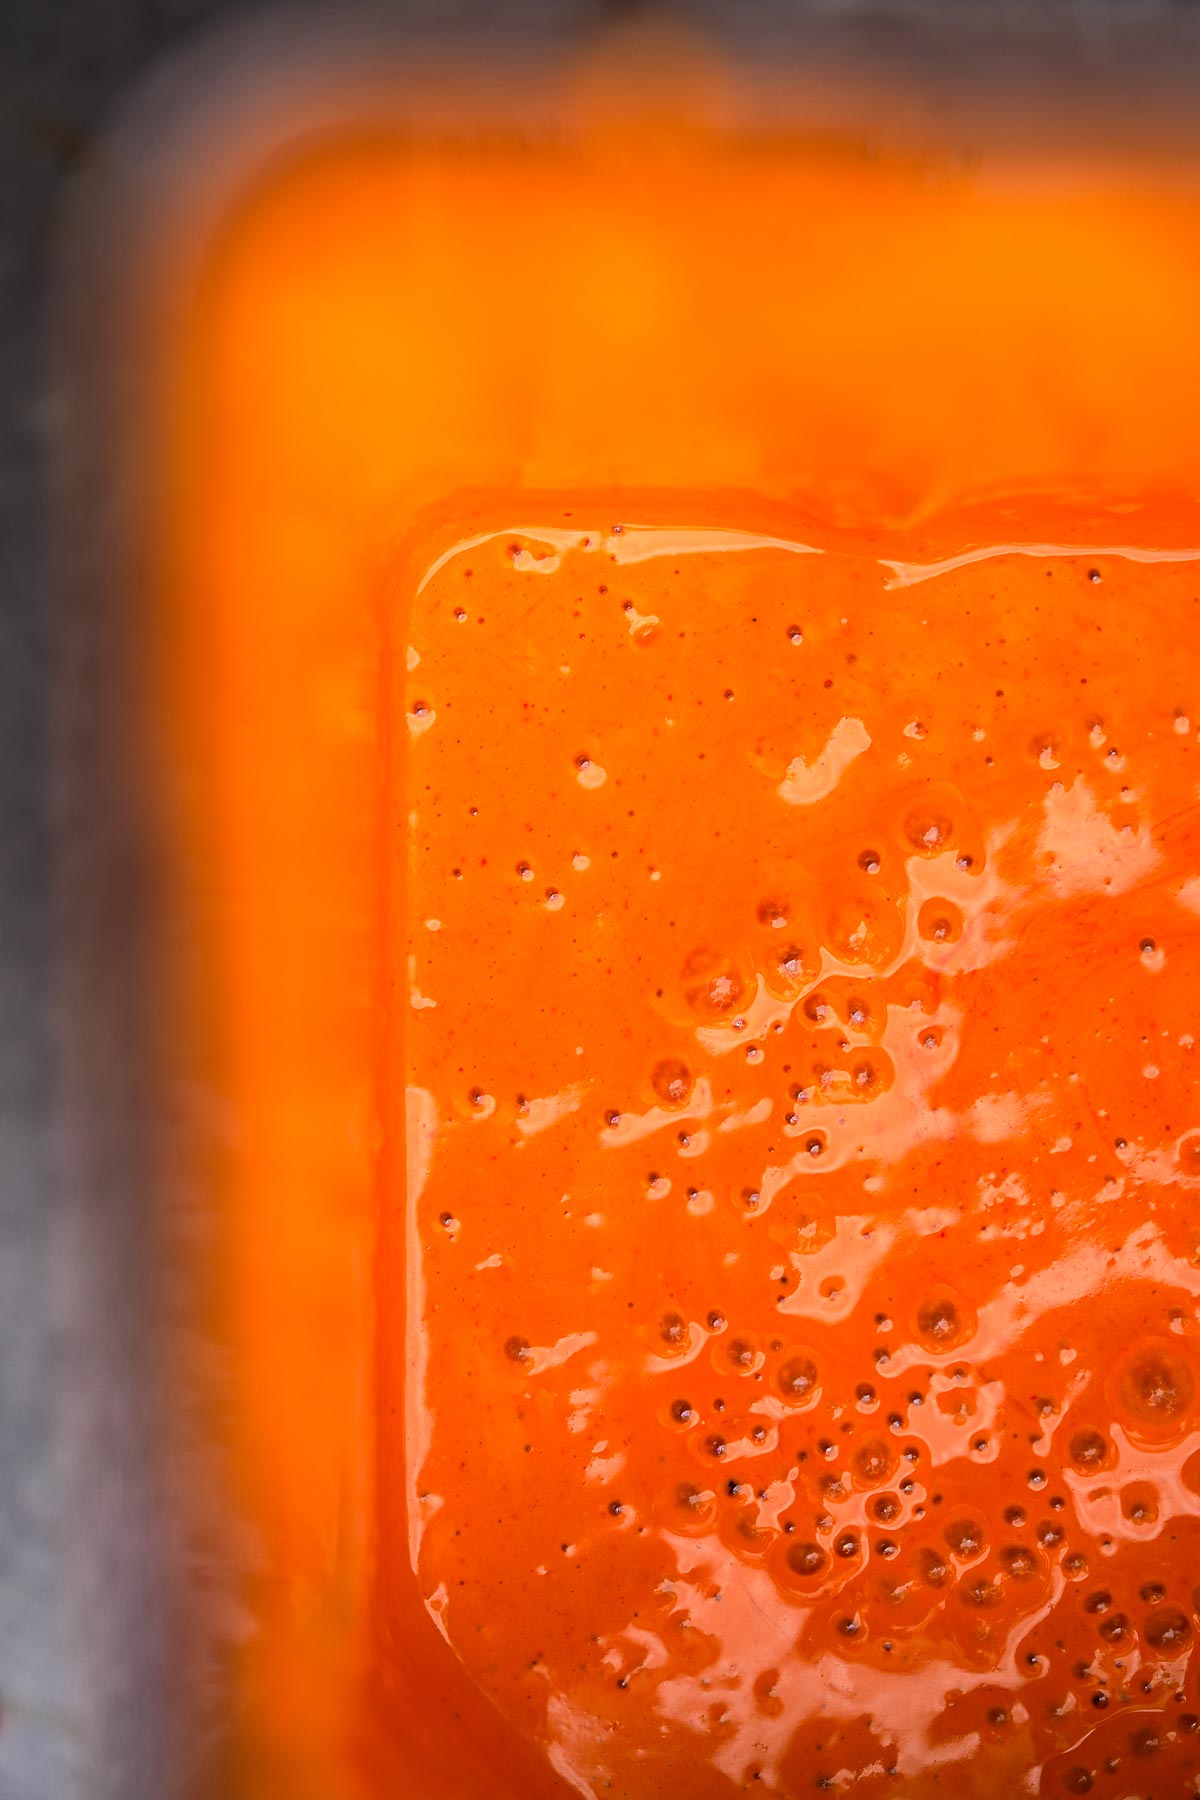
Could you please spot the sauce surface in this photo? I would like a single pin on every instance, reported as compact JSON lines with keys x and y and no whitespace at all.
{"x":804,"y":1142}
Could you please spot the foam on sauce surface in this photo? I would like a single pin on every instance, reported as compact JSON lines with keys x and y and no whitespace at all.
{"x":804,"y":1140}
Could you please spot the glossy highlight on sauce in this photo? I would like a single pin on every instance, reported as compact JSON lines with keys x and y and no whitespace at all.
{"x":804,"y":1382}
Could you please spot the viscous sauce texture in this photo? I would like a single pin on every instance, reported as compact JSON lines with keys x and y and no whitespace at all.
{"x":804,"y":1148}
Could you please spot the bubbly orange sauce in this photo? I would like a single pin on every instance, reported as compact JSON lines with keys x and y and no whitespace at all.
{"x":802,"y":965}
{"x":676,"y":707}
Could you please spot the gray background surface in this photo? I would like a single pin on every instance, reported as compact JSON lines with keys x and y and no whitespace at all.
{"x":64,"y":65}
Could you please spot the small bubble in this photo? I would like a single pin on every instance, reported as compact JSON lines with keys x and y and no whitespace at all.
{"x":869,"y":861}
{"x":1115,"y":1629}
{"x":517,"y":1349}
{"x":524,"y":871}
{"x":941,"y":1324}
{"x":940,"y":922}
{"x":934,"y":1568}
{"x":1156,"y":1388}
{"x":885,"y":1508}
{"x":798,"y":1379}
{"x":806,"y":1559}
{"x":795,"y":635}
{"x":773,"y":914}
{"x":865,"y":1076}
{"x":1167,"y":1629}
{"x":713,"y":986}
{"x":740,"y":1353}
{"x":671,"y":1081}
{"x":928,"y":831}
{"x":873,"y":1460}
{"x":682,"y":1411}
{"x":1088,"y":1450}
{"x":673,"y":1330}
{"x":965,"y":1538}
{"x":1018,"y":1562}
{"x":1078,"y":1781}
{"x":982,"y":1593}
{"x":846,"y":1545}
{"x":1093,"y":574}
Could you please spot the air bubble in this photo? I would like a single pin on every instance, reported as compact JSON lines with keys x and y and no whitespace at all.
{"x":671,"y":1081}
{"x":1167,"y":1629}
{"x":940,"y":922}
{"x":791,"y":964}
{"x":935,"y":1570}
{"x":874,"y":1460}
{"x":806,"y":1559}
{"x":773,"y":913}
{"x":864,"y":928}
{"x":683,"y":1412}
{"x":740,"y":1353}
{"x":927,"y":830}
{"x":712,"y":985}
{"x":966,"y":1539}
{"x":1088,"y":1450}
{"x":673,"y":1330}
{"x":1187,"y":1153}
{"x":798,"y":1380}
{"x":847,"y":1545}
{"x":1156,"y":1388}
{"x":1019,"y":1562}
{"x":941,"y":1323}
{"x":870,"y":861}
{"x":517,"y":1349}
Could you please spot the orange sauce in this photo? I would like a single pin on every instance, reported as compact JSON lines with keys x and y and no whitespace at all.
{"x":802,"y":961}
{"x":674,"y":651}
